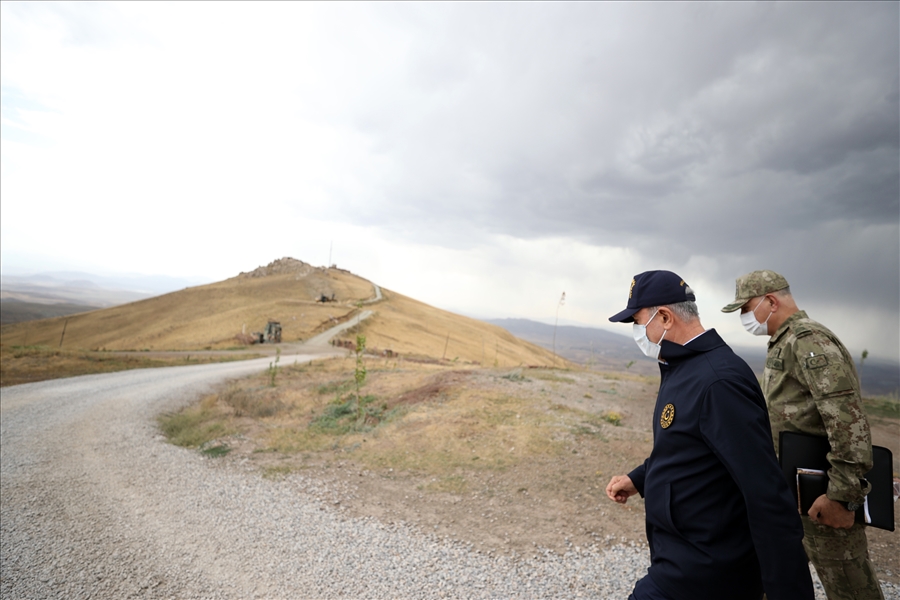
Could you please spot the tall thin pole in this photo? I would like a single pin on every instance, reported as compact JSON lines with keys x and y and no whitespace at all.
{"x":562,"y":300}
{"x":63,"y":334}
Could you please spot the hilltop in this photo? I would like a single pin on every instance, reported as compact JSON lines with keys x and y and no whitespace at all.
{"x":218,"y":316}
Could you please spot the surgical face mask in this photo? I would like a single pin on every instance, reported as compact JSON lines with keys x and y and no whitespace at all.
{"x":640,"y":337}
{"x":748,"y":320}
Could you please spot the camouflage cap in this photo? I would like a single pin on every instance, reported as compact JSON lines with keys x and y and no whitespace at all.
{"x":752,"y":285}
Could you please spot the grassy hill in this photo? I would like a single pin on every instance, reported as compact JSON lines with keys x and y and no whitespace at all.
{"x":212,"y":317}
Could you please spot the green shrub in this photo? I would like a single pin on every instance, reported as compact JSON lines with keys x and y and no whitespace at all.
{"x":612,"y":417}
{"x":883,"y":406}
{"x":193,"y":427}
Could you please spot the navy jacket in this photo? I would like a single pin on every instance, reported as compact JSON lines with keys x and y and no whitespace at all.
{"x":721,"y":522}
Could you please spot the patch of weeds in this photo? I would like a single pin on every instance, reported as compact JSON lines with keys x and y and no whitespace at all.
{"x":346,"y":416}
{"x":194,"y":426}
{"x":591,"y":427}
{"x":27,"y":351}
{"x":883,"y":406}
{"x":545,"y":376}
{"x":278,"y":472}
{"x":515,"y":375}
{"x":252,"y":402}
{"x":588,"y":396}
{"x":215,"y":451}
{"x":335,"y":418}
{"x":452,"y":484}
{"x":612,"y":417}
{"x":338,"y":388}
{"x":295,"y":368}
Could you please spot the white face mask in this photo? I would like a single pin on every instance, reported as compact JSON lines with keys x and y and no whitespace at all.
{"x":640,"y":337}
{"x":748,"y":320}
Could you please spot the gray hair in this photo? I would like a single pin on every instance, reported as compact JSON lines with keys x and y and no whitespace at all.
{"x":686,"y":311}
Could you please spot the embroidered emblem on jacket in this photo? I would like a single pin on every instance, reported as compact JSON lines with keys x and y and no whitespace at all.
{"x":817,"y":361}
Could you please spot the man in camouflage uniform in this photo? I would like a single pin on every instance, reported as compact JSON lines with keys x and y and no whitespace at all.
{"x":811,"y":386}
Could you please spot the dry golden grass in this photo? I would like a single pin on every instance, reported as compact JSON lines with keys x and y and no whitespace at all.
{"x":442,"y":421}
{"x":502,"y":457}
{"x":211,"y":316}
{"x":411,"y":327}
{"x":208,"y":316}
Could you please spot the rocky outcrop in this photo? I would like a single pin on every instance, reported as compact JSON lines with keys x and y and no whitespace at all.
{"x":282,"y":266}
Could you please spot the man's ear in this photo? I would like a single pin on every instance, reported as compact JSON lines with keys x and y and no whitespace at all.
{"x":667,"y":317}
{"x":773,"y":302}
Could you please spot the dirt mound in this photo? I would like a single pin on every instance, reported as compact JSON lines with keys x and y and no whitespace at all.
{"x":283,"y":266}
{"x":433,"y":389}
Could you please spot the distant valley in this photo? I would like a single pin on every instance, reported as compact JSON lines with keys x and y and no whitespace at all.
{"x":609,"y":351}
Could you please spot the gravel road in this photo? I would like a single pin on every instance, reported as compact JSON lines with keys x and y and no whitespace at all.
{"x":95,"y":504}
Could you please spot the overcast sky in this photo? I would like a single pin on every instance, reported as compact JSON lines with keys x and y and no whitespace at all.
{"x":480,"y":157}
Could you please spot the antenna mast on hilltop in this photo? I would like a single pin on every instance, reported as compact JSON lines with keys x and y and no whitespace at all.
{"x":330,"y":246}
{"x":562,"y":300}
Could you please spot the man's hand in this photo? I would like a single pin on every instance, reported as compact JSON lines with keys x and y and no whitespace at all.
{"x":830,"y":513}
{"x":620,"y":489}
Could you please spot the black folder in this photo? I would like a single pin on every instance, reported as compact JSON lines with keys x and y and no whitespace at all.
{"x":805,"y":451}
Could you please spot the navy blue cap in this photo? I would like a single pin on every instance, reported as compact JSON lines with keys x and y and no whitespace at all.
{"x":653,"y":288}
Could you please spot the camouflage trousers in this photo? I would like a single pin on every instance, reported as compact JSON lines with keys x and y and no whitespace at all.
{"x":841,"y":558}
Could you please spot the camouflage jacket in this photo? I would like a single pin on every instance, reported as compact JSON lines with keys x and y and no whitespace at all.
{"x":811,"y":386}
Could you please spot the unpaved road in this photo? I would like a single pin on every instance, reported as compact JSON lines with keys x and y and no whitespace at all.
{"x":95,"y":504}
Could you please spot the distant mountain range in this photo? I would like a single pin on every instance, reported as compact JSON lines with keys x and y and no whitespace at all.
{"x":61,"y":293}
{"x":605,"y":350}
{"x":88,"y":289}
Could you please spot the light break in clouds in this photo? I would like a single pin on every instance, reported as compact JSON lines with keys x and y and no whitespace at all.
{"x":482,"y":157}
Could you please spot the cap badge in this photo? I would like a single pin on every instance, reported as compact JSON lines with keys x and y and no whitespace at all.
{"x":668,"y":415}
{"x":631,"y":289}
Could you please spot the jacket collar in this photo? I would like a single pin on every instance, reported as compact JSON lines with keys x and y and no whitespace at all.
{"x":675,"y":353}
{"x":800,"y":314}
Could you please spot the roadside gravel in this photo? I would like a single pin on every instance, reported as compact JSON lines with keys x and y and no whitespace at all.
{"x":95,"y":504}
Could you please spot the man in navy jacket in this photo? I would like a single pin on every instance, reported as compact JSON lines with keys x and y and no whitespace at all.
{"x":721,"y":522}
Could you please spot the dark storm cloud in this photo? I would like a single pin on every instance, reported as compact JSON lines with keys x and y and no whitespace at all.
{"x":750,"y":133}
